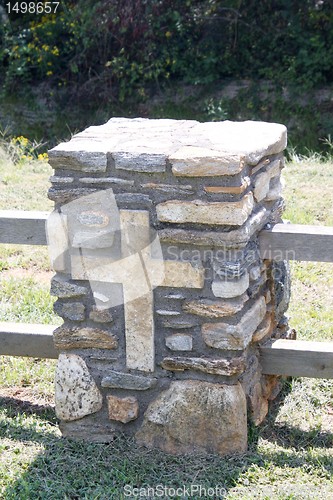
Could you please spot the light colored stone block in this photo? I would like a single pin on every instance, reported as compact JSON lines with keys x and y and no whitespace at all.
{"x":193,"y":161}
{"x":78,"y":154}
{"x":123,"y":409}
{"x":198,"y":418}
{"x":139,"y":328}
{"x":200,"y":212}
{"x":179,"y":342}
{"x":76,"y":393}
{"x":235,"y":337}
{"x":229,"y":289}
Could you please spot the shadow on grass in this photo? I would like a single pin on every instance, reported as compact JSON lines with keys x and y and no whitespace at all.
{"x":67,"y":469}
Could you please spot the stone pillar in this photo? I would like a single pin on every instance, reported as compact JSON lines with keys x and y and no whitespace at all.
{"x":164,"y":296}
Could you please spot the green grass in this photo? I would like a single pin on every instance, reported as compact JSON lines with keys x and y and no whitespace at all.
{"x":290,"y":456}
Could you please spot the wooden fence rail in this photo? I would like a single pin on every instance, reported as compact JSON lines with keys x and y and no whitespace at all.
{"x":282,"y":242}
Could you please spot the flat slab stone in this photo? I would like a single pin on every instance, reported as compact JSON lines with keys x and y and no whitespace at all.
{"x":120,"y":380}
{"x":192,"y":148}
{"x":200,"y":212}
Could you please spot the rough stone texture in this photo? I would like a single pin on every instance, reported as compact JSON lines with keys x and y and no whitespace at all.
{"x":258,"y":404}
{"x":231,"y":288}
{"x":76,"y":393}
{"x":179,"y":342}
{"x":74,"y":311}
{"x":228,"y":367}
{"x":235,"y":337}
{"x":123,"y":409}
{"x":60,"y":287}
{"x":200,"y":212}
{"x":215,"y":308}
{"x":140,"y":162}
{"x":83,"y":338}
{"x":121,"y":380}
{"x":196,"y":417}
{"x":232,"y":239}
{"x":139,"y":325}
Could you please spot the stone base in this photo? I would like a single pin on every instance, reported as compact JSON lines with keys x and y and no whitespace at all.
{"x":197,"y":417}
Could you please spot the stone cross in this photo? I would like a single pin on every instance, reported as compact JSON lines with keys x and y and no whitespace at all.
{"x":139,"y":273}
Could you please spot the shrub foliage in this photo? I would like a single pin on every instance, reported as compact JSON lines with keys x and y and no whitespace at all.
{"x":122,"y":47}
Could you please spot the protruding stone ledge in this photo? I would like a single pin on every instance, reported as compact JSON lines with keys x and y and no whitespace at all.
{"x":235,"y":337}
{"x":192,"y":161}
{"x":78,"y":155}
{"x":227,"y":367}
{"x":215,"y":308}
{"x":83,"y":338}
{"x":200,"y":212}
{"x":236,"y":238}
{"x":60,"y":287}
{"x":121,"y":380}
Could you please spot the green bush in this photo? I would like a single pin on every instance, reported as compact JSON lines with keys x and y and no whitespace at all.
{"x":123,"y":46}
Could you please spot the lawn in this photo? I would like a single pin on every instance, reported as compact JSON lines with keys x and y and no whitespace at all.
{"x":290,"y":456}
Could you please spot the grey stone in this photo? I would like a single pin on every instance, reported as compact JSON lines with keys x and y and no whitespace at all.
{"x":74,"y":311}
{"x":139,"y":162}
{"x":196,"y":417}
{"x":178,"y":323}
{"x":179,"y":342}
{"x":78,"y":155}
{"x":106,"y":180}
{"x":133,"y":198}
{"x":76,"y":393}
{"x":60,"y":287}
{"x":120,"y":380}
{"x":66,"y":195}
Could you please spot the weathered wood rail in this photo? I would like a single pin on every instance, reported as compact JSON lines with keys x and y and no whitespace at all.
{"x":282,"y":242}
